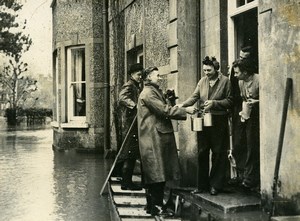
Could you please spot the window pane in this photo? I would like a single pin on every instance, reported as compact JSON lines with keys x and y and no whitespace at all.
{"x":140,"y":59}
{"x":77,"y":82}
{"x":79,"y":99}
{"x":78,"y":65}
{"x":240,"y":3}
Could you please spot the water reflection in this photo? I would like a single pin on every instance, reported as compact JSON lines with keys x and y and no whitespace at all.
{"x":39,"y":184}
{"x":77,"y":180}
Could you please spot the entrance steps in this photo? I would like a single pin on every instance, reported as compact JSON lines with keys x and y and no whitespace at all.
{"x":129,"y":205}
{"x":230,"y":206}
{"x":229,"y":202}
{"x":286,"y":218}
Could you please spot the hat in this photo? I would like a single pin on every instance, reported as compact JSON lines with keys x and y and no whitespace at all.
{"x":149,"y":70}
{"x":134,"y":68}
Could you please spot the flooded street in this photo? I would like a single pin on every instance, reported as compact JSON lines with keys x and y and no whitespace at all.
{"x":39,"y":184}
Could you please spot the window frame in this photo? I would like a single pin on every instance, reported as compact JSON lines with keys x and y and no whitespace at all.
{"x":70,"y":86}
{"x":233,"y":11}
{"x":140,"y":56}
{"x":56,"y":85}
{"x":133,"y":56}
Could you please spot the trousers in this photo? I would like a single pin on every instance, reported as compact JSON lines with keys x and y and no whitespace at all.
{"x":216,"y":140}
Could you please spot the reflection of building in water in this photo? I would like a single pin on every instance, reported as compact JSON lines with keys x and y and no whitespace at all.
{"x":175,"y":36}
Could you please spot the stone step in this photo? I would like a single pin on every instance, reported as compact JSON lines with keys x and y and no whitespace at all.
{"x":134,"y":201}
{"x":116,"y":190}
{"x":135,"y":179}
{"x":115,"y":179}
{"x":132,"y":208}
{"x":150,"y":219}
{"x":232,"y":202}
{"x":132,"y":212}
{"x":138,"y":219}
{"x":285,"y":218}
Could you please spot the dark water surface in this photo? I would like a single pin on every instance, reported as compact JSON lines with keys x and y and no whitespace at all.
{"x":39,"y":184}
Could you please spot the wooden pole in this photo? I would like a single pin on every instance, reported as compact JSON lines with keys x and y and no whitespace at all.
{"x":120,"y":151}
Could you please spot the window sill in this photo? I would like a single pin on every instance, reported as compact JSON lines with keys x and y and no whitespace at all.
{"x":75,"y":124}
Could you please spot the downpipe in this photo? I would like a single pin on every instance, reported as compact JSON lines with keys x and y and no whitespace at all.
{"x":106,"y":76}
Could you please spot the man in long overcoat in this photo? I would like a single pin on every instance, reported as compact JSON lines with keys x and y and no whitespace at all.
{"x":156,"y":139}
{"x":128,"y":98}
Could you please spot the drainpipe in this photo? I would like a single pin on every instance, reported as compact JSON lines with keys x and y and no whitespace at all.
{"x":199,"y":63}
{"x":144,"y":35}
{"x":106,"y":77}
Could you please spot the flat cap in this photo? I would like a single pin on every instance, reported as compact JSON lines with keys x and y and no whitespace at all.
{"x":148,"y":71}
{"x":135,"y":67}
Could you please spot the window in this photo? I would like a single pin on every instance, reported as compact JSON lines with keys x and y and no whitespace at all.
{"x":140,"y":57}
{"x":135,"y":55}
{"x":55,"y":91}
{"x":242,"y":27}
{"x":76,"y":84}
{"x":246,"y":31}
{"x":240,"y":3}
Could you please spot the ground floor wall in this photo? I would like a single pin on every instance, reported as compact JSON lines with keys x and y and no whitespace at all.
{"x":79,"y":131}
{"x":186,"y":67}
{"x":83,"y":140}
{"x":279,"y":40}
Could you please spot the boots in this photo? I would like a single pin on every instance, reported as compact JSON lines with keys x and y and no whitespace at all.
{"x":127,"y":172}
{"x":148,"y":206}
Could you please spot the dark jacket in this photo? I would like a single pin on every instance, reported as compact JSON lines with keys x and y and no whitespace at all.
{"x":128,"y":98}
{"x":156,"y":136}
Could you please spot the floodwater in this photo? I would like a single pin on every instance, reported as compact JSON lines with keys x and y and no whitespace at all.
{"x":39,"y":184}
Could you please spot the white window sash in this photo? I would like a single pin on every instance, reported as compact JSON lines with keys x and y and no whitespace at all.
{"x":56,"y":88}
{"x":73,"y":83}
{"x":233,"y":10}
{"x":139,"y":56}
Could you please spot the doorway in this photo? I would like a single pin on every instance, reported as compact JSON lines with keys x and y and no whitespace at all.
{"x":246,"y":34}
{"x":243,"y":33}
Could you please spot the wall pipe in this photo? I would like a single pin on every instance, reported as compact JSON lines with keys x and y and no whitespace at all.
{"x":287,"y":93}
{"x":199,"y":63}
{"x":106,"y":76}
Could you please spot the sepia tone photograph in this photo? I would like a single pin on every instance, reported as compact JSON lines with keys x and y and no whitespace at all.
{"x":135,"y":110}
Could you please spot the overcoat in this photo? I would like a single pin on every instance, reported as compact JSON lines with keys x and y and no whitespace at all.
{"x":157,"y":144}
{"x":128,"y":98}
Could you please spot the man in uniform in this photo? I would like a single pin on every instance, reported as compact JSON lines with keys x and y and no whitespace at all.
{"x":128,"y":98}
